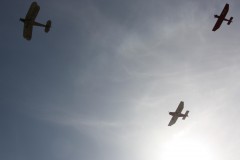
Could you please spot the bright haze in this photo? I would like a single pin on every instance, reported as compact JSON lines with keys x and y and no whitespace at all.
{"x":100,"y":84}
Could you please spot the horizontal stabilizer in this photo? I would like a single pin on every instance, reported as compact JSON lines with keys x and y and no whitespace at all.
{"x":230,"y":20}
{"x":186,"y":115}
{"x":48,"y":26}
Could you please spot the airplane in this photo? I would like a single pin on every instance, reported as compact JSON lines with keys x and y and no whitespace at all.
{"x":175,"y":115}
{"x":29,"y":21}
{"x":222,"y":18}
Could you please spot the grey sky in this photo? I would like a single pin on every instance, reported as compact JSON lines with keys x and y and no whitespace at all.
{"x":100,"y":84}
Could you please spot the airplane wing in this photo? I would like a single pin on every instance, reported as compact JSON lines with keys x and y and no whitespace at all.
{"x":27,"y":31}
{"x":218,"y":24}
{"x":180,"y":107}
{"x":33,"y":11}
{"x":173,"y":120}
{"x":29,"y":20}
{"x":225,"y":11}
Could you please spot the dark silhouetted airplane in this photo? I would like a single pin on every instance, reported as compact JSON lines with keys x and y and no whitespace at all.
{"x":175,"y":115}
{"x":222,"y":18}
{"x":29,"y":21}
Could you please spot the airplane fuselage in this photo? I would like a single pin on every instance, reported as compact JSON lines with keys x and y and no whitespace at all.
{"x":176,"y":114}
{"x":28,"y":22}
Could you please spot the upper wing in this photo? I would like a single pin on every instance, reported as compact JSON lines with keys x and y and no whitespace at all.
{"x":180,"y":107}
{"x":173,"y":120}
{"x":33,"y":11}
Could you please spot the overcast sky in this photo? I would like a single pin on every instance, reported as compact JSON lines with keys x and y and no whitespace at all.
{"x":100,"y":84}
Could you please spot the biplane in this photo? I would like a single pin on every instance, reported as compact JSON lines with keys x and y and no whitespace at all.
{"x":29,"y":21}
{"x":222,"y":18}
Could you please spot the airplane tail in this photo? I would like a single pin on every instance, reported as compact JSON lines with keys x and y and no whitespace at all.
{"x":186,"y":115}
{"x":48,"y":26}
{"x":230,"y":20}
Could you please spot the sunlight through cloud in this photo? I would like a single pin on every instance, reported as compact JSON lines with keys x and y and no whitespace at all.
{"x":183,"y":148}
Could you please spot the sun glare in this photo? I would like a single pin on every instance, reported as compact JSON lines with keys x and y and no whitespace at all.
{"x":186,"y":149}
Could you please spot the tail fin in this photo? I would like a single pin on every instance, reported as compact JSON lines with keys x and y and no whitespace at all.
{"x":186,"y":115}
{"x":230,"y":20}
{"x":48,"y":26}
